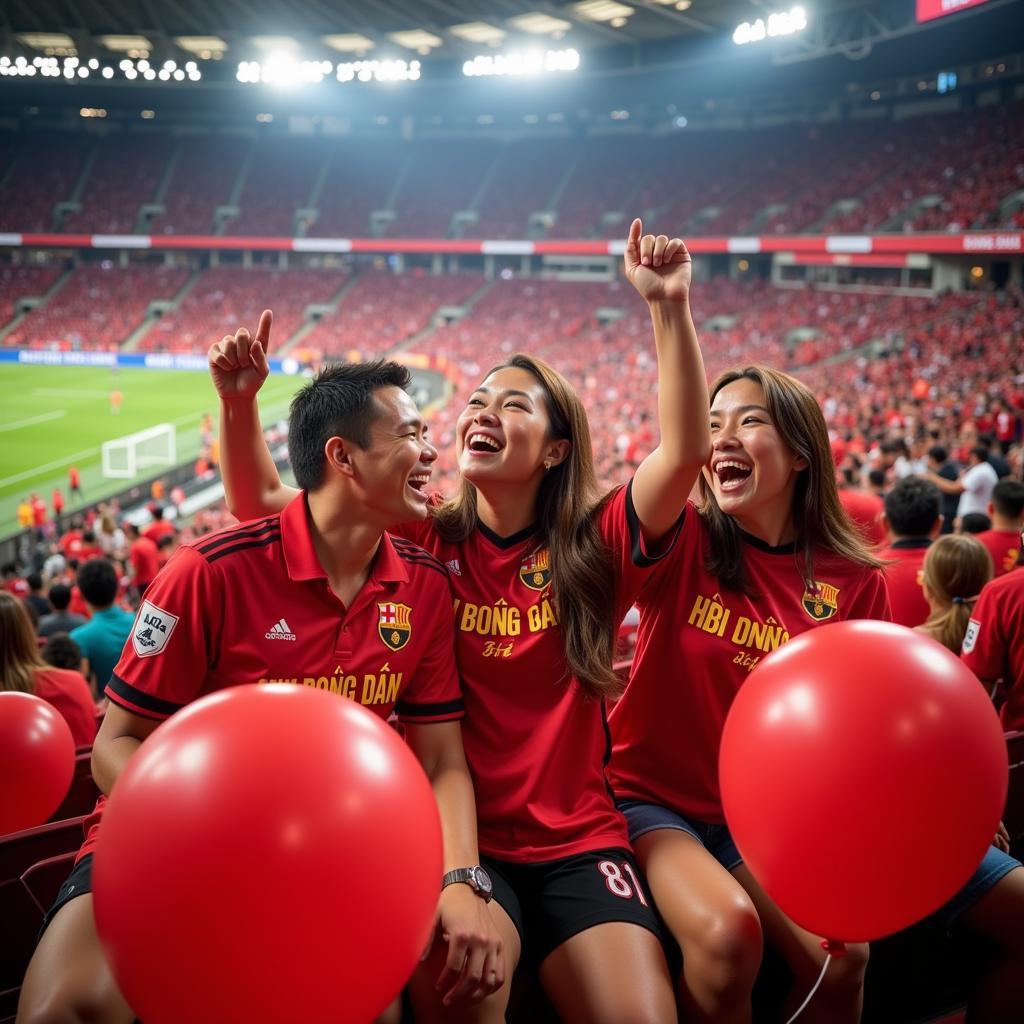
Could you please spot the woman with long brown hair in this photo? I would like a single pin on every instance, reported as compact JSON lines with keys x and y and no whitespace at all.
{"x":767,"y":553}
{"x":22,"y":668}
{"x":542,"y":569}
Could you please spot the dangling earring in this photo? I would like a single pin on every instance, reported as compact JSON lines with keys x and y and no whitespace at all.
{"x":547,"y":465}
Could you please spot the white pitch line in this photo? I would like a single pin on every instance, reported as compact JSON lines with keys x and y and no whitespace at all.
{"x":42,"y":418}
{"x":68,"y":393}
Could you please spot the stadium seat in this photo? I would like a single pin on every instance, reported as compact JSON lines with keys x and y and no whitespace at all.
{"x":83,"y":793}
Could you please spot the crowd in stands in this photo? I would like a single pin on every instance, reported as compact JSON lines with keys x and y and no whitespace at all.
{"x":940,"y":172}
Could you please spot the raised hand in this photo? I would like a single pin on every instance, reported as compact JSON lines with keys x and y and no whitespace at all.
{"x":658,"y":267}
{"x":238,"y":362}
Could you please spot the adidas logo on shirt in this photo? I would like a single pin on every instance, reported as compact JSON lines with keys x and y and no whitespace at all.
{"x":280,"y":630}
{"x":454,"y":567}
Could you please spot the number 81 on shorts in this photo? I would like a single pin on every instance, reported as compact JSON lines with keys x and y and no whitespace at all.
{"x":617,"y":882}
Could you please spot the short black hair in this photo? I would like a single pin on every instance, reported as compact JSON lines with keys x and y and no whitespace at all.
{"x":61,"y":651}
{"x":337,"y":402}
{"x":912,"y":507}
{"x":938,"y":453}
{"x":980,"y":453}
{"x":60,"y":596}
{"x":97,"y":580}
{"x":876,"y":477}
{"x":1008,"y":498}
{"x":975,"y":522}
{"x":34,"y":580}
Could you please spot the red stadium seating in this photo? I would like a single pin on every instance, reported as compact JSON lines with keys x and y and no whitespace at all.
{"x":17,"y":282}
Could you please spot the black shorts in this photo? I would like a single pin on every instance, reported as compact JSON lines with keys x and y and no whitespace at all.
{"x":551,"y":901}
{"x":78,"y":883}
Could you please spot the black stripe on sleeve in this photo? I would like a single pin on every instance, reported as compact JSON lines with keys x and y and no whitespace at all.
{"x":636,"y":537}
{"x":449,"y":707}
{"x":274,"y":538}
{"x":426,"y":565}
{"x":407,"y":549}
{"x":145,"y":701}
{"x":226,"y":537}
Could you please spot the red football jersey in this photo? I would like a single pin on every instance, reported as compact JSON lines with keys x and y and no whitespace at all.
{"x":865,"y":509}
{"x":535,"y":745}
{"x":903,"y":578}
{"x":696,"y":645}
{"x":993,"y":646}
{"x":251,"y":604}
{"x":1004,"y":547}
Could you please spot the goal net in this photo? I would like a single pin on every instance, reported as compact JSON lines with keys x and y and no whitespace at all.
{"x":126,"y":457}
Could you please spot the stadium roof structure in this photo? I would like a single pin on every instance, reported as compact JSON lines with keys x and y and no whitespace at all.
{"x":450,"y":29}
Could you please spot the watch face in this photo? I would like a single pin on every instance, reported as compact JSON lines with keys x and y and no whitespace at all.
{"x":482,"y":879}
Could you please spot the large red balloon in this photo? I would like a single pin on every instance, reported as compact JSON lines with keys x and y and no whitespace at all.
{"x":863,"y":773}
{"x":37,"y":760}
{"x":270,"y":854}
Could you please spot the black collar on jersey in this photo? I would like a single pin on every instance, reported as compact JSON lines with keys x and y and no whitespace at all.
{"x":762,"y":545}
{"x":506,"y":542}
{"x":911,"y":542}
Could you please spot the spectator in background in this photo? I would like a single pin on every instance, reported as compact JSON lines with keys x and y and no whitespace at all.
{"x":973,"y":523}
{"x":159,"y":527}
{"x":992,"y":647}
{"x":60,"y":620}
{"x":143,"y":558}
{"x":22,"y":669}
{"x":11,"y":581}
{"x":877,"y":482}
{"x":864,"y":508}
{"x":913,"y":520}
{"x":35,"y":596}
{"x":995,"y":455}
{"x":1006,"y":510}
{"x":939,"y":464}
{"x":955,"y":569}
{"x":110,"y":537}
{"x":974,"y":485}
{"x":104,"y":635}
{"x":61,"y":651}
{"x":55,"y":563}
{"x":166,"y":547}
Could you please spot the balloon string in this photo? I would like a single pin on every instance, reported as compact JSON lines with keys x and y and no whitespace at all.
{"x":810,"y":995}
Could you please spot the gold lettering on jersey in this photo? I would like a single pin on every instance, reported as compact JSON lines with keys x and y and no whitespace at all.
{"x":341,"y":684}
{"x":756,"y":638}
{"x":541,"y":616}
{"x":499,"y":619}
{"x":496,"y":649}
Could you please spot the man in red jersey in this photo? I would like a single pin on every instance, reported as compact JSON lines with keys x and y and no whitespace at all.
{"x":1006,"y":510}
{"x":913,"y":520}
{"x":992,"y":648}
{"x":319,"y":595}
{"x":865,"y":508}
{"x":143,"y":557}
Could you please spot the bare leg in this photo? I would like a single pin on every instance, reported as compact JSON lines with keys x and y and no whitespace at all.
{"x":69,"y":980}
{"x":712,"y":919}
{"x":840,"y":998}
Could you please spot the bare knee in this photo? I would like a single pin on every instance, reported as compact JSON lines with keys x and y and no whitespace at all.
{"x":845,"y":974}
{"x":61,"y":1010}
{"x":726,"y":948}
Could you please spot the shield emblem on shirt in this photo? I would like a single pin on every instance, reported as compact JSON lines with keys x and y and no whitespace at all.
{"x":153,"y":628}
{"x":535,"y":570}
{"x":821,"y":603}
{"x":394,"y":624}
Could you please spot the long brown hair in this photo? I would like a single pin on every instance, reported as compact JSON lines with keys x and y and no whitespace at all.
{"x":955,"y":569}
{"x":19,"y":652}
{"x":819,"y":518}
{"x":583,"y":588}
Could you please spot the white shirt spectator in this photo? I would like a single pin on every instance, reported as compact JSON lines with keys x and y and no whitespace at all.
{"x":977,"y":482}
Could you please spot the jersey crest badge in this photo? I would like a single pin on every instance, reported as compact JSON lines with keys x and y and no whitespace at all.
{"x":394,"y":624}
{"x":971,"y":636}
{"x":153,"y":628}
{"x":535,"y":570}
{"x":822,"y":603}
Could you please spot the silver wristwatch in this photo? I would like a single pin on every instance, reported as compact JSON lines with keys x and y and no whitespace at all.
{"x":475,"y":877}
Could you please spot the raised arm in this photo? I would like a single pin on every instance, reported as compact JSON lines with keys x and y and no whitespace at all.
{"x":659,"y":269}
{"x":238,"y":367}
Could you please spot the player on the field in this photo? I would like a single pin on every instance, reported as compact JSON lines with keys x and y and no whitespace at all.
{"x":317,"y":595}
{"x":543,"y":570}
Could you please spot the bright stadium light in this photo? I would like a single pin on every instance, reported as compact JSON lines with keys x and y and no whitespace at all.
{"x":781,"y":23}
{"x":528,"y":62}
{"x":282,"y":69}
{"x":379,"y":71}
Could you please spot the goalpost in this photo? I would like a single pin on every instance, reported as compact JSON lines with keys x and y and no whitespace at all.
{"x":125,"y":457}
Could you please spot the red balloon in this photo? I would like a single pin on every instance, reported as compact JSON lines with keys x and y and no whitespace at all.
{"x":272,"y":853}
{"x":37,"y":760}
{"x":863,"y":773}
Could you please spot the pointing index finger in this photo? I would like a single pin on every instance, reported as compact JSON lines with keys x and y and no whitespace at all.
{"x":263,"y":331}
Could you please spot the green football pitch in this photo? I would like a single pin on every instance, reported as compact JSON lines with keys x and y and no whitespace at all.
{"x":55,"y":417}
